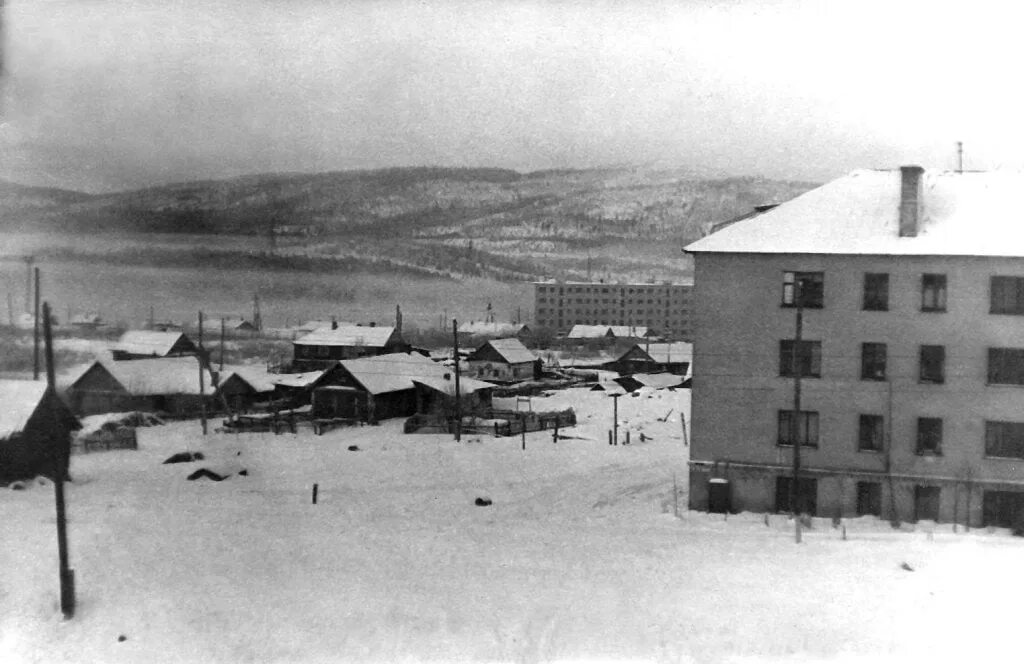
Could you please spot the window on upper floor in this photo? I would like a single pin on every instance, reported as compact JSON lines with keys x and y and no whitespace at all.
{"x":870,"y":433}
{"x":1004,"y":439}
{"x":933,"y":364}
{"x":933,"y":292}
{"x":810,"y":285}
{"x":806,"y":359}
{"x":929,"y":435}
{"x":807,"y":425}
{"x":1006,"y":366}
{"x":872,"y":361}
{"x":876,"y":292}
{"x":1006,"y":296}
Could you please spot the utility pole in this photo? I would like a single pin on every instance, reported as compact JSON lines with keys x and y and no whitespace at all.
{"x":60,"y":469}
{"x":794,"y":421}
{"x":615,"y":419}
{"x":202,"y":378}
{"x":458,"y":404}
{"x":222,"y":343}
{"x":959,"y":156}
{"x":28,"y":283}
{"x":35,"y":332}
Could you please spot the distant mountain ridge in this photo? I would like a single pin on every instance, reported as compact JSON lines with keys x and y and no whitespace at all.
{"x":554,"y":218}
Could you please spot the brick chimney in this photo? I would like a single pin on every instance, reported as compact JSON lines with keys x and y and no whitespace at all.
{"x":910,"y":200}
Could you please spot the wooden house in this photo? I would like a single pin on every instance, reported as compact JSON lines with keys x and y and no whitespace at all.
{"x":674,"y":358}
{"x":323,"y":348}
{"x":32,"y":420}
{"x":138,"y":344}
{"x":377,"y":388}
{"x":503,"y":360}
{"x":240,"y":387}
{"x":166,"y":385}
{"x":494,"y":330}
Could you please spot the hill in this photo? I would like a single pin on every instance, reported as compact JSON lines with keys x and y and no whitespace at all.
{"x":619,"y":222}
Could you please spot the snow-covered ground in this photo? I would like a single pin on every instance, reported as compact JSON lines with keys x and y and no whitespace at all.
{"x":578,"y":558}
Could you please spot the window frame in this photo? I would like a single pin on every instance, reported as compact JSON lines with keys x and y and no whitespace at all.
{"x":811,"y":423}
{"x":990,"y":433}
{"x":873,"y":360}
{"x":931,"y":379}
{"x":938,"y":286}
{"x":929,"y":428}
{"x":811,"y":298}
{"x":999,"y":374}
{"x":1015,"y":286}
{"x":877,"y":423}
{"x":872,"y":299}
{"x":787,"y":351}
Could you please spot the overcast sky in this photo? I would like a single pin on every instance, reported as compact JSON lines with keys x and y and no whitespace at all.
{"x":114,"y":94}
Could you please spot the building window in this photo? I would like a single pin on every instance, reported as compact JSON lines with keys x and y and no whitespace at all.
{"x":926,"y":503}
{"x":808,"y":496}
{"x":1006,"y":366}
{"x":1004,"y":440}
{"x":870,"y":433}
{"x":872,"y":361}
{"x":807,"y":359}
{"x":807,"y":424}
{"x":812,"y":289}
{"x":929,"y":436}
{"x":1007,"y":296}
{"x":1003,"y":509}
{"x":869,"y":499}
{"x":933,"y":364}
{"x":876,"y":292}
{"x":933,"y":292}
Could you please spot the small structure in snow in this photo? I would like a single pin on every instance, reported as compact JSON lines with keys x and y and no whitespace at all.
{"x":32,"y":420}
{"x":138,"y":344}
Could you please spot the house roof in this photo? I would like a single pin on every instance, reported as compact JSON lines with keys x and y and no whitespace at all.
{"x":668,"y":352}
{"x":159,"y":376}
{"x":304,"y":379}
{"x":627,"y":331}
{"x":658,"y":380}
{"x":493,"y":329}
{"x":18,"y":400}
{"x":511,"y":350}
{"x":601,"y":331}
{"x":147,"y":342}
{"x":447,"y":385}
{"x":393,"y":372}
{"x":348,"y":335}
{"x":962,"y":214}
{"x":256,"y":376}
{"x":311,"y":325}
{"x":230,"y":323}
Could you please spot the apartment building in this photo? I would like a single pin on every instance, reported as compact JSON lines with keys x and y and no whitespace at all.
{"x":910,"y":361}
{"x":664,"y":308}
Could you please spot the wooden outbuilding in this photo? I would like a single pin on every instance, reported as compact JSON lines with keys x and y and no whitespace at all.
{"x":165,"y":385}
{"x":146,"y":344}
{"x":34,"y":421}
{"x":503,"y":360}
{"x":323,"y":348}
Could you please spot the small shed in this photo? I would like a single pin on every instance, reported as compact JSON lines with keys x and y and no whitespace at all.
{"x":32,"y":420}
{"x":167,"y":385}
{"x":503,"y":360}
{"x":139,"y":344}
{"x":233,"y":325}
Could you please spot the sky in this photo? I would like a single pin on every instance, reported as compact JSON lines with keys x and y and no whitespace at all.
{"x":102,"y":95}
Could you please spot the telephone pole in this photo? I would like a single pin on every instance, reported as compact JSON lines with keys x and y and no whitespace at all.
{"x":35,"y":332}
{"x":458,"y":400}
{"x":794,"y":421}
{"x":615,"y":419}
{"x":202,"y":379}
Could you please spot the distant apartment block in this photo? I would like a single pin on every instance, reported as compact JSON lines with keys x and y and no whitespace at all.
{"x":911,"y":357}
{"x":664,"y":308}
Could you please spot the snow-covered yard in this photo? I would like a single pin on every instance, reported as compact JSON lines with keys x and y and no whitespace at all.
{"x":579,"y":557}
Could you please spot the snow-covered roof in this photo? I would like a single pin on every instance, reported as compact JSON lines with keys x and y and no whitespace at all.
{"x":348,"y":335}
{"x":304,"y":379}
{"x":18,"y":400}
{"x":394,"y":371}
{"x":669,"y":352}
{"x":147,"y":342}
{"x":658,"y":380}
{"x":230,"y":323}
{"x":627,"y":331}
{"x":601,"y":331}
{"x":311,"y":325}
{"x":492,"y":329}
{"x":447,"y":385}
{"x":512,"y":350}
{"x":961,"y":214}
{"x":256,"y":376}
{"x":159,"y":376}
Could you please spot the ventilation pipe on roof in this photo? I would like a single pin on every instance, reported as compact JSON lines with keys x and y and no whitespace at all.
{"x":910,"y":200}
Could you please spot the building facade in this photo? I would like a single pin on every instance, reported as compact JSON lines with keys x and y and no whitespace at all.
{"x":910,"y":361}
{"x":663,"y":308}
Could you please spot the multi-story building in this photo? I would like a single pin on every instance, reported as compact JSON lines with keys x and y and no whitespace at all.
{"x":911,"y":355}
{"x":662,"y":307}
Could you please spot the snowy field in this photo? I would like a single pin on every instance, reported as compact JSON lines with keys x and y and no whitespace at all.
{"x":578,"y":558}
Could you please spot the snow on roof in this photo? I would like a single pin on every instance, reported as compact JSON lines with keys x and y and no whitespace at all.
{"x":669,"y":352}
{"x":348,"y":335}
{"x":255,"y":375}
{"x":18,"y":400}
{"x":588,"y":331}
{"x":512,"y":350}
{"x":230,"y":323}
{"x":147,"y":342}
{"x":626,"y":331}
{"x":159,"y":376}
{"x":394,"y":371}
{"x":492,"y":329}
{"x":962,"y":214}
{"x":658,"y":380}
{"x":304,"y":379}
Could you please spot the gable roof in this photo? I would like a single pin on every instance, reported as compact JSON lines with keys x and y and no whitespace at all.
{"x":447,"y":385}
{"x":304,"y":379}
{"x":148,"y":342}
{"x":511,"y":351}
{"x":493,"y":329}
{"x":255,"y":376}
{"x":588,"y":331}
{"x":962,"y":214}
{"x":348,"y":335}
{"x":158,"y":376}
{"x":392,"y":372}
{"x":668,"y":352}
{"x":18,"y":400}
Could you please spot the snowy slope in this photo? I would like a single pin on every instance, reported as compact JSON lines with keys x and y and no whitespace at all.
{"x":578,"y":558}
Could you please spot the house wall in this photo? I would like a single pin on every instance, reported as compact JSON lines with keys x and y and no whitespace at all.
{"x":30,"y":452}
{"x":738,"y":392}
{"x":501,"y":371}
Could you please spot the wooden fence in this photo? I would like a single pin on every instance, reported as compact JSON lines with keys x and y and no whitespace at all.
{"x":124,"y":438}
